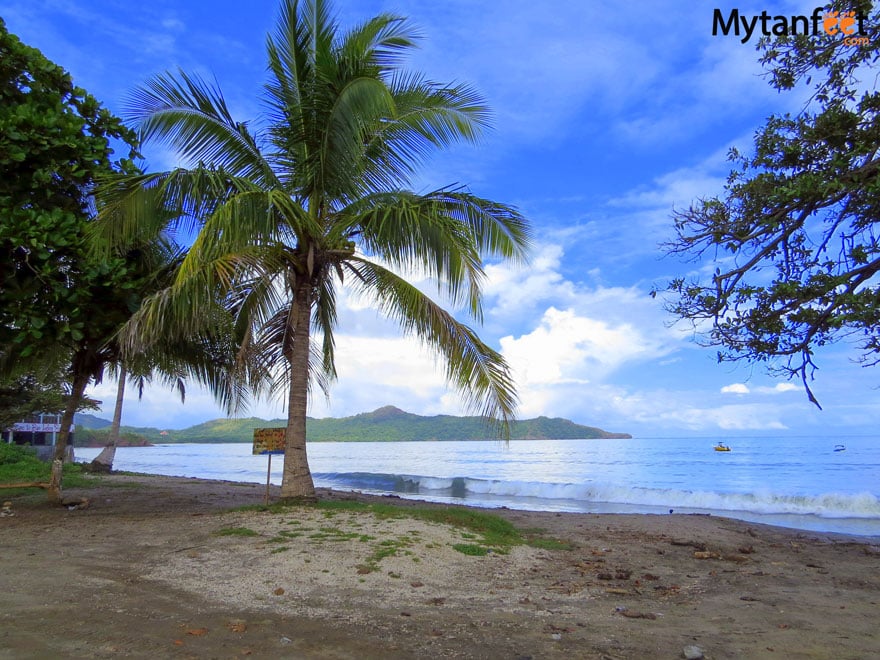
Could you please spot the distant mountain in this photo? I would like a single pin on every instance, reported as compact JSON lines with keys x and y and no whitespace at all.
{"x":86,"y":421}
{"x":387,"y":424}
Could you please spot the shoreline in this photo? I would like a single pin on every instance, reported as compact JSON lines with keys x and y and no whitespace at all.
{"x":827,"y":507}
{"x":149,"y":549}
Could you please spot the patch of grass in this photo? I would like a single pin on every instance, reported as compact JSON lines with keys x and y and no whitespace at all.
{"x":534,"y":537}
{"x":383,"y":549}
{"x":20,"y":464}
{"x":493,"y":532}
{"x":236,"y":531}
{"x":275,"y":507}
{"x":285,"y":535}
{"x":471,"y":549}
{"x":488,"y":532}
{"x":545,"y":543}
{"x":334,"y":534}
{"x":74,"y":477}
{"x":280,"y":548}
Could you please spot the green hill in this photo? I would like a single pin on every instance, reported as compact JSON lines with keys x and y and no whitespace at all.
{"x":387,"y":424}
{"x":87,"y":421}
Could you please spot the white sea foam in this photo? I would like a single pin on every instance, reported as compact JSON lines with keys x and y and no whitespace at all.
{"x":827,"y":505}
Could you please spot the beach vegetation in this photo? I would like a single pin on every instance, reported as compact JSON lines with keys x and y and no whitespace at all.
{"x":236,"y":531}
{"x":313,"y":195}
{"x":793,"y":237}
{"x":382,"y":550}
{"x":471,"y":549}
{"x":57,"y":304}
{"x":63,"y":300}
{"x":19,"y":464}
{"x":32,"y":393}
{"x":487,"y":530}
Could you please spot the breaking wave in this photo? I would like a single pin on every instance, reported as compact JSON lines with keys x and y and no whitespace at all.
{"x":597,"y":497}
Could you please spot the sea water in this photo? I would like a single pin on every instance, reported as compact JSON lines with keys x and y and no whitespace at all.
{"x":794,"y":482}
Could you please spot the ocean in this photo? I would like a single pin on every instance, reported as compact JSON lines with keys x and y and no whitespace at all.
{"x":802,"y":483}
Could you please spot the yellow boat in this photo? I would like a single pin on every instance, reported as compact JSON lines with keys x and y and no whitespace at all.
{"x":721,"y":447}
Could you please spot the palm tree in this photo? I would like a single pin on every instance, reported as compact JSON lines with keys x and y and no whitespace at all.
{"x":103,"y":462}
{"x":314,"y":195}
{"x":174,"y":376}
{"x":205,"y":358}
{"x":174,"y":361}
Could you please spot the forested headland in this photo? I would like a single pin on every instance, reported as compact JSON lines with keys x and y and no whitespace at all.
{"x":387,"y":424}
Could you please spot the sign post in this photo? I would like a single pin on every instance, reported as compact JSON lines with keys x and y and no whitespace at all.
{"x":268,"y":441}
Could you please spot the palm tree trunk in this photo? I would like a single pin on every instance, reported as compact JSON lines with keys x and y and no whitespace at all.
{"x":103,"y":462}
{"x":296,"y":482}
{"x":77,"y":390}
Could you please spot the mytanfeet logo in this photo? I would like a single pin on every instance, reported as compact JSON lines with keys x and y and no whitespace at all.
{"x":848,"y":24}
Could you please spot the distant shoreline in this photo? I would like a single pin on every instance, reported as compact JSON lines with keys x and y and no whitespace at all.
{"x":386,"y":424}
{"x":322,"y":441}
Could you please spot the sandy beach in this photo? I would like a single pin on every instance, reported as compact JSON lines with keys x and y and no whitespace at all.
{"x":164,"y":567}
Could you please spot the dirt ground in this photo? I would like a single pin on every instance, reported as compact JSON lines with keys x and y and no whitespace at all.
{"x":151,"y":569}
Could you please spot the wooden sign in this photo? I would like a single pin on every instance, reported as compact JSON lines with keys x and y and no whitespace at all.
{"x":269,"y":441}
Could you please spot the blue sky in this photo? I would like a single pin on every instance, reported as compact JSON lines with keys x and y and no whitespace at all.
{"x":606,"y":117}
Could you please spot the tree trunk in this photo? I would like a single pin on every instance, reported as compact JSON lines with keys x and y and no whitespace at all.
{"x":296,"y":482}
{"x":103,"y":462}
{"x":61,"y":441}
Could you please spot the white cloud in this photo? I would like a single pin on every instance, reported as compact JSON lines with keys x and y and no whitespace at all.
{"x":571,"y":347}
{"x":729,"y":418}
{"x":779,"y":388}
{"x":516,"y":292}
{"x":379,"y":371}
{"x":569,"y":355}
{"x":680,"y":187}
{"x":742,"y":388}
{"x":662,"y":411}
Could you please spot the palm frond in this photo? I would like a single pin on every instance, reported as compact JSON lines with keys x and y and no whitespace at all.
{"x":356,"y":114}
{"x":497,"y":230}
{"x":427,"y":116}
{"x":292,"y":70}
{"x":324,"y":321}
{"x":177,"y":201}
{"x":444,"y":234}
{"x":377,"y":45}
{"x":476,"y":370}
{"x":192,"y":116}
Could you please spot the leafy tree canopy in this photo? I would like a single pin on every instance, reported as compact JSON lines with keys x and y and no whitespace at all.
{"x":794,"y":236}
{"x":31,"y":394}
{"x":54,"y":144}
{"x":28,"y":395}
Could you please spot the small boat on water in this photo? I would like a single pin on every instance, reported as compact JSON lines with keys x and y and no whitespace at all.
{"x":721,"y":447}
{"x":839,"y":447}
